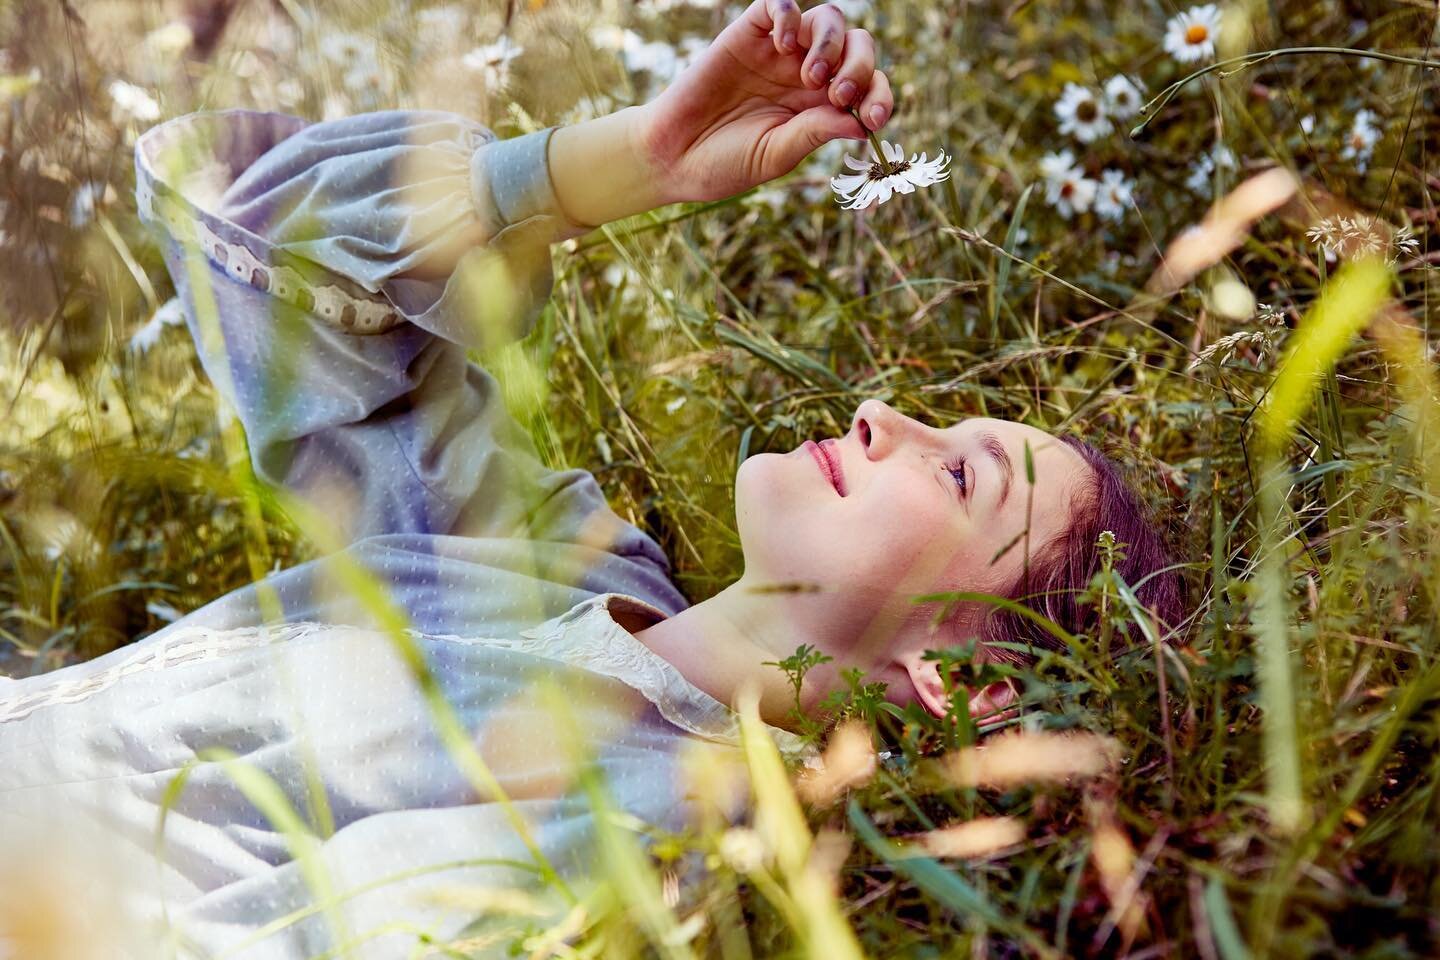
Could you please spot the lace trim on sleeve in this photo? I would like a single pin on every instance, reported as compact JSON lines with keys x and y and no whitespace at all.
{"x":181,"y":209}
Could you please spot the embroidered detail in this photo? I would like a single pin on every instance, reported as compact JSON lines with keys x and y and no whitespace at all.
{"x":586,"y":636}
{"x":575,"y":637}
{"x":156,"y":202}
{"x":330,"y":303}
{"x":191,"y":645}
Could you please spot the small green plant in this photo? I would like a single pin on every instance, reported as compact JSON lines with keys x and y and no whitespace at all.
{"x":795,"y":667}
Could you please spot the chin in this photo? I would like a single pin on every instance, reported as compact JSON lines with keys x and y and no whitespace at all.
{"x":754,"y":507}
{"x":773,"y":517}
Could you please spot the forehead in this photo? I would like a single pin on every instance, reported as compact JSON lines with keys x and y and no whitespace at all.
{"x":1014,"y":436}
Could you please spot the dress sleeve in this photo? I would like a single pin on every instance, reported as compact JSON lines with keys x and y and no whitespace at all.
{"x":370,"y":220}
{"x":334,"y":276}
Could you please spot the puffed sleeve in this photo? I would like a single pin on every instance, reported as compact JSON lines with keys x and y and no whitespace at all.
{"x":334,"y":275}
{"x":370,"y":220}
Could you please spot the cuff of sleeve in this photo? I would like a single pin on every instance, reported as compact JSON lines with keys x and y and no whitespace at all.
{"x":512,"y":178}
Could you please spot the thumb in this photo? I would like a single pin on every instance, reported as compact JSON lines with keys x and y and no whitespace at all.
{"x":810,"y":129}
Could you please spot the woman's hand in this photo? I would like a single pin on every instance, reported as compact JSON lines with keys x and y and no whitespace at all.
{"x":773,"y":86}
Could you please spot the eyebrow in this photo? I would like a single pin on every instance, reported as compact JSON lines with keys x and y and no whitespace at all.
{"x":996,"y":451}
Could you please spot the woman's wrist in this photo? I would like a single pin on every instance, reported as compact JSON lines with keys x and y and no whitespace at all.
{"x":607,"y":169}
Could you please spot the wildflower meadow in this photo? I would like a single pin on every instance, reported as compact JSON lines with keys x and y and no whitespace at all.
{"x":1199,"y":236}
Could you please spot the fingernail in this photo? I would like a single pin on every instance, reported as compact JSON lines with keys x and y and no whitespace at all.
{"x":788,"y":41}
{"x":845,"y":92}
{"x":819,"y":71}
{"x":877,"y":115}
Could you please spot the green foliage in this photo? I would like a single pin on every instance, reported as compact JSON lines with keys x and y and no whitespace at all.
{"x":679,"y":343}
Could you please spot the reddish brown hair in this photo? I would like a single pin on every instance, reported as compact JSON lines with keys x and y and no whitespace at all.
{"x":1061,"y":569}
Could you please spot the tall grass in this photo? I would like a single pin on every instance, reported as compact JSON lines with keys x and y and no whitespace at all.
{"x":1275,"y":788}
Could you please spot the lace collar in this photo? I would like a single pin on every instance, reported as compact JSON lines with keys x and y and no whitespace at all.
{"x":588,"y":635}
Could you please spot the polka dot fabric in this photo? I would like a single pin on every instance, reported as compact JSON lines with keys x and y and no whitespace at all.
{"x":507,"y":573}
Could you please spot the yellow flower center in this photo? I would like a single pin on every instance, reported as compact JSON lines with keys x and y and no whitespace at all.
{"x":1197,"y":33}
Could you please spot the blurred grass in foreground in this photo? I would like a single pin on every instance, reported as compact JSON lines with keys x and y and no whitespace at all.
{"x":681,"y":342}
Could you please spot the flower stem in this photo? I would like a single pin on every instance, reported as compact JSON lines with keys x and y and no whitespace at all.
{"x":874,"y":142}
{"x":1149,"y":111}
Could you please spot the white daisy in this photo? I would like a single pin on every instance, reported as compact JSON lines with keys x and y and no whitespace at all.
{"x":878,"y":180}
{"x":1190,"y":35}
{"x":1081,"y":114}
{"x":1122,"y":96}
{"x":1307,"y":124}
{"x":1116,"y":195}
{"x":1360,"y":141}
{"x":1055,"y":165}
{"x":493,"y":61}
{"x":1221,"y":158}
{"x":133,"y":101}
{"x":1067,"y":189}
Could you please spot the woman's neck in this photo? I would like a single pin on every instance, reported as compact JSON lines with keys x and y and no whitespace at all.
{"x":724,"y":643}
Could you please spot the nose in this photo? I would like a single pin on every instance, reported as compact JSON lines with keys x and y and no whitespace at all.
{"x":880,"y":428}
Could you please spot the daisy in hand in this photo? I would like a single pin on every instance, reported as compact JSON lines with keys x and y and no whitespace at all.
{"x":887,"y":174}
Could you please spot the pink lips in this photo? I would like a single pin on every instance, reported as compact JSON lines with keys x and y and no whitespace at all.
{"x":828,"y":462}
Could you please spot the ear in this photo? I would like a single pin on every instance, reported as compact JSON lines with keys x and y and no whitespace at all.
{"x":993,"y":702}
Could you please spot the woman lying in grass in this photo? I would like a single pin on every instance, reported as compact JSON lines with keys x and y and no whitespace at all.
{"x":333,"y":277}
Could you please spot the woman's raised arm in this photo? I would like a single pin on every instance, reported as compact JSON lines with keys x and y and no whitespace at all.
{"x":775,"y":85}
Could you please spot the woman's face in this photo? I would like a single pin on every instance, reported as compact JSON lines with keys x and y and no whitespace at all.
{"x":894,"y":509}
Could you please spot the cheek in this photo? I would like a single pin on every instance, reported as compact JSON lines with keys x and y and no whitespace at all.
{"x":911,"y":536}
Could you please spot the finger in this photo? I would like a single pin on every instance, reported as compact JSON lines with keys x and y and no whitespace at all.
{"x":798,"y":137}
{"x":783,"y":23}
{"x":822,"y":31}
{"x":878,"y":98}
{"x":852,"y":79}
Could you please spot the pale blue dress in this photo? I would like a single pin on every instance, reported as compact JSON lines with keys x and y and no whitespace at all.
{"x":333,"y":276}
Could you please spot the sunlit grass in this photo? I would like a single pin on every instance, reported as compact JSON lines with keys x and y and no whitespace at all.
{"x":1273,"y":790}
